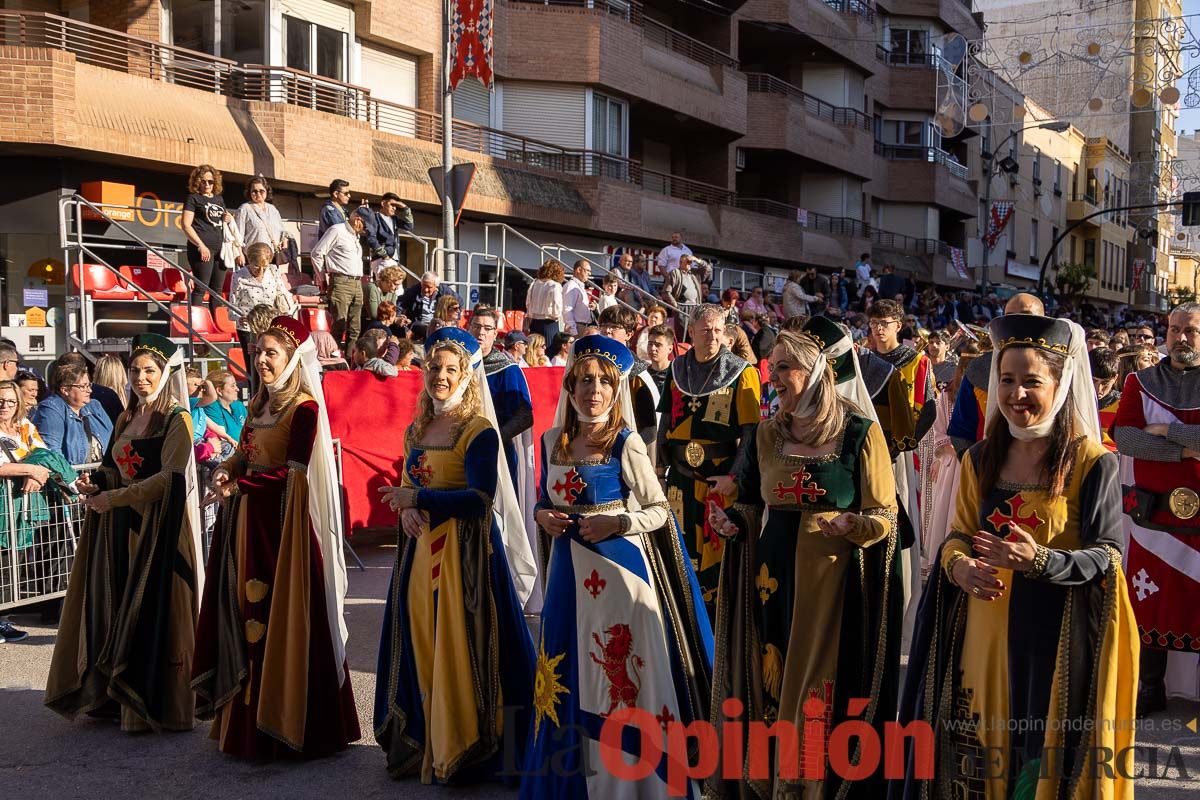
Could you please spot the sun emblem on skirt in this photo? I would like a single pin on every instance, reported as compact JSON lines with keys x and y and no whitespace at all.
{"x":546,"y":688}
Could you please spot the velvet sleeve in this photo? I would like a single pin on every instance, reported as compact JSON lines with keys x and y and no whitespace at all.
{"x":963,"y":423}
{"x":479,"y":463}
{"x":877,"y":491}
{"x":177,"y":446}
{"x":1100,"y":529}
{"x":1128,"y":429}
{"x":301,"y":437}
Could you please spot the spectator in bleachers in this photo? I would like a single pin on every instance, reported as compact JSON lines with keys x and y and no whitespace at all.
{"x":544,"y":300}
{"x":421,"y":301}
{"x":608,"y":293}
{"x":447,"y":313}
{"x":255,"y":322}
{"x":369,"y":351}
{"x":33,"y":390}
{"x":390,"y":321}
{"x":385,"y":286}
{"x":204,"y":218}
{"x":639,"y":277}
{"x":535,"y":352}
{"x":110,"y":373}
{"x":516,"y":344}
{"x":405,"y":353}
{"x":383,"y":227}
{"x":655,"y":315}
{"x":258,"y":282}
{"x":327,"y":352}
{"x":838,"y":297}
{"x":754,"y":303}
{"x":71,"y":421}
{"x":260,"y":221}
{"x":337,"y":263}
{"x":336,"y":208}
{"x":559,"y":348}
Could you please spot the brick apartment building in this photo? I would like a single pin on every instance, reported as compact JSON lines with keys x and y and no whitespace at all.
{"x":773,"y":133}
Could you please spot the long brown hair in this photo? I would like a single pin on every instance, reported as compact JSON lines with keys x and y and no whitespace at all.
{"x":1060,"y":456}
{"x":162,"y":406}
{"x":472,"y":402}
{"x":605,"y":436}
{"x":829,"y":408}
{"x":284,"y":397}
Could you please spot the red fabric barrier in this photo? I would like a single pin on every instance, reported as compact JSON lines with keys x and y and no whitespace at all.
{"x":369,"y":416}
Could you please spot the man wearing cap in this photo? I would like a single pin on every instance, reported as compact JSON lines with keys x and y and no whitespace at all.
{"x":709,"y":407}
{"x":970,"y":404}
{"x":1158,"y":427}
{"x":515,"y":344}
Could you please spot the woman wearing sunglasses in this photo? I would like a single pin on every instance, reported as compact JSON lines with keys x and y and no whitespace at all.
{"x":204,"y":218}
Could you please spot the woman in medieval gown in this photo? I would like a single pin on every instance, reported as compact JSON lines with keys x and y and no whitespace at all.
{"x":1025,"y":660}
{"x":270,"y":667}
{"x":811,"y":599}
{"x":624,"y":625}
{"x":458,"y":586}
{"x":126,"y":635}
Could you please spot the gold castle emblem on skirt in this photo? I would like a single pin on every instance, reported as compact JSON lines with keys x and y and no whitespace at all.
{"x":693,"y":454}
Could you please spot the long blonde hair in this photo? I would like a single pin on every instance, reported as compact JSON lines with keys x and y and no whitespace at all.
{"x":472,"y":402}
{"x":605,"y":436}
{"x":291,"y":390}
{"x":110,"y":372}
{"x":829,"y":408}
{"x":536,"y":341}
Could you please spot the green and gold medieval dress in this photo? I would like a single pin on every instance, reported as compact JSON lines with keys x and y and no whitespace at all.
{"x":803,"y":615}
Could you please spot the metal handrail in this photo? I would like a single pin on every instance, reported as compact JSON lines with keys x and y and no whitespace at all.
{"x":844,"y":116}
{"x":858,"y":8}
{"x":606,"y":270}
{"x":841,"y":226}
{"x":82,"y":248}
{"x":918,"y":152}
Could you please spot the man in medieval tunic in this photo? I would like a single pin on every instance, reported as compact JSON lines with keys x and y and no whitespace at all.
{"x":906,"y":411}
{"x":1157,"y":428}
{"x":709,"y":406}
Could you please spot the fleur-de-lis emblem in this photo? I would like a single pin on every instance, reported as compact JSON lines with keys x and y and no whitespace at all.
{"x":767,"y":585}
{"x":595,"y":584}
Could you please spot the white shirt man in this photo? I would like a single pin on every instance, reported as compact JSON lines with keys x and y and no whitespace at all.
{"x":339,"y":250}
{"x":668,"y":257}
{"x":576,"y":310}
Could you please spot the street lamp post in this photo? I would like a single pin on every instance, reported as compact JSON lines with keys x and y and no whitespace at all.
{"x":989,"y":173}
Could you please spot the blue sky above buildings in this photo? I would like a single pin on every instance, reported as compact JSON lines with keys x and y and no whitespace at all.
{"x":1189,"y":118}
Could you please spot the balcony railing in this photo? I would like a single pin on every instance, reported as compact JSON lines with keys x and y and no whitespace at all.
{"x":843,"y":226}
{"x":838,"y":115}
{"x":657,"y":32}
{"x":255,"y":82}
{"x":857,"y":8}
{"x":905,"y":59}
{"x":914,"y":152}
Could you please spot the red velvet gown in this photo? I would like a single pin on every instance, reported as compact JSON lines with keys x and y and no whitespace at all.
{"x":264,"y":669}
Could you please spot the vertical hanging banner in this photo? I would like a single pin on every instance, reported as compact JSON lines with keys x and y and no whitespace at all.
{"x":1001,"y":212}
{"x":471,"y":41}
{"x":959,"y":262}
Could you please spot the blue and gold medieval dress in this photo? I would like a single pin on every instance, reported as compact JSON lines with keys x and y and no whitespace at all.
{"x":624,"y":625}
{"x":441,"y":684}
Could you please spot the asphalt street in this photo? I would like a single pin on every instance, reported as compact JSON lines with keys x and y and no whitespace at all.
{"x":44,"y":756}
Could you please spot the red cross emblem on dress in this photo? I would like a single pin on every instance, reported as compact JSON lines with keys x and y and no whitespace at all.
{"x":803,"y":488}
{"x":595,"y":584}
{"x":129,"y":461}
{"x":1029,"y":522}
{"x":571,"y":488}
{"x":249,"y":448}
{"x":422,"y":473}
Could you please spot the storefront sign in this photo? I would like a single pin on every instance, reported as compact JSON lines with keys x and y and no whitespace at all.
{"x":144,"y":213}
{"x":1019,"y":270}
{"x":35,"y":317}
{"x":35,"y":297}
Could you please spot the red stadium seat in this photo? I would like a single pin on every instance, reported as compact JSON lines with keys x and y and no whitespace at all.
{"x":317,"y":319}
{"x":515,"y":320}
{"x":173,"y":281}
{"x":149,"y":280}
{"x":237,"y":362}
{"x":224,"y":323}
{"x":202,"y":323}
{"x":100,"y":283}
{"x":464,"y":319}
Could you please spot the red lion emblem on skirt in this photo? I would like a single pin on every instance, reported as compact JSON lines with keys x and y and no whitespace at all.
{"x":620,"y":665}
